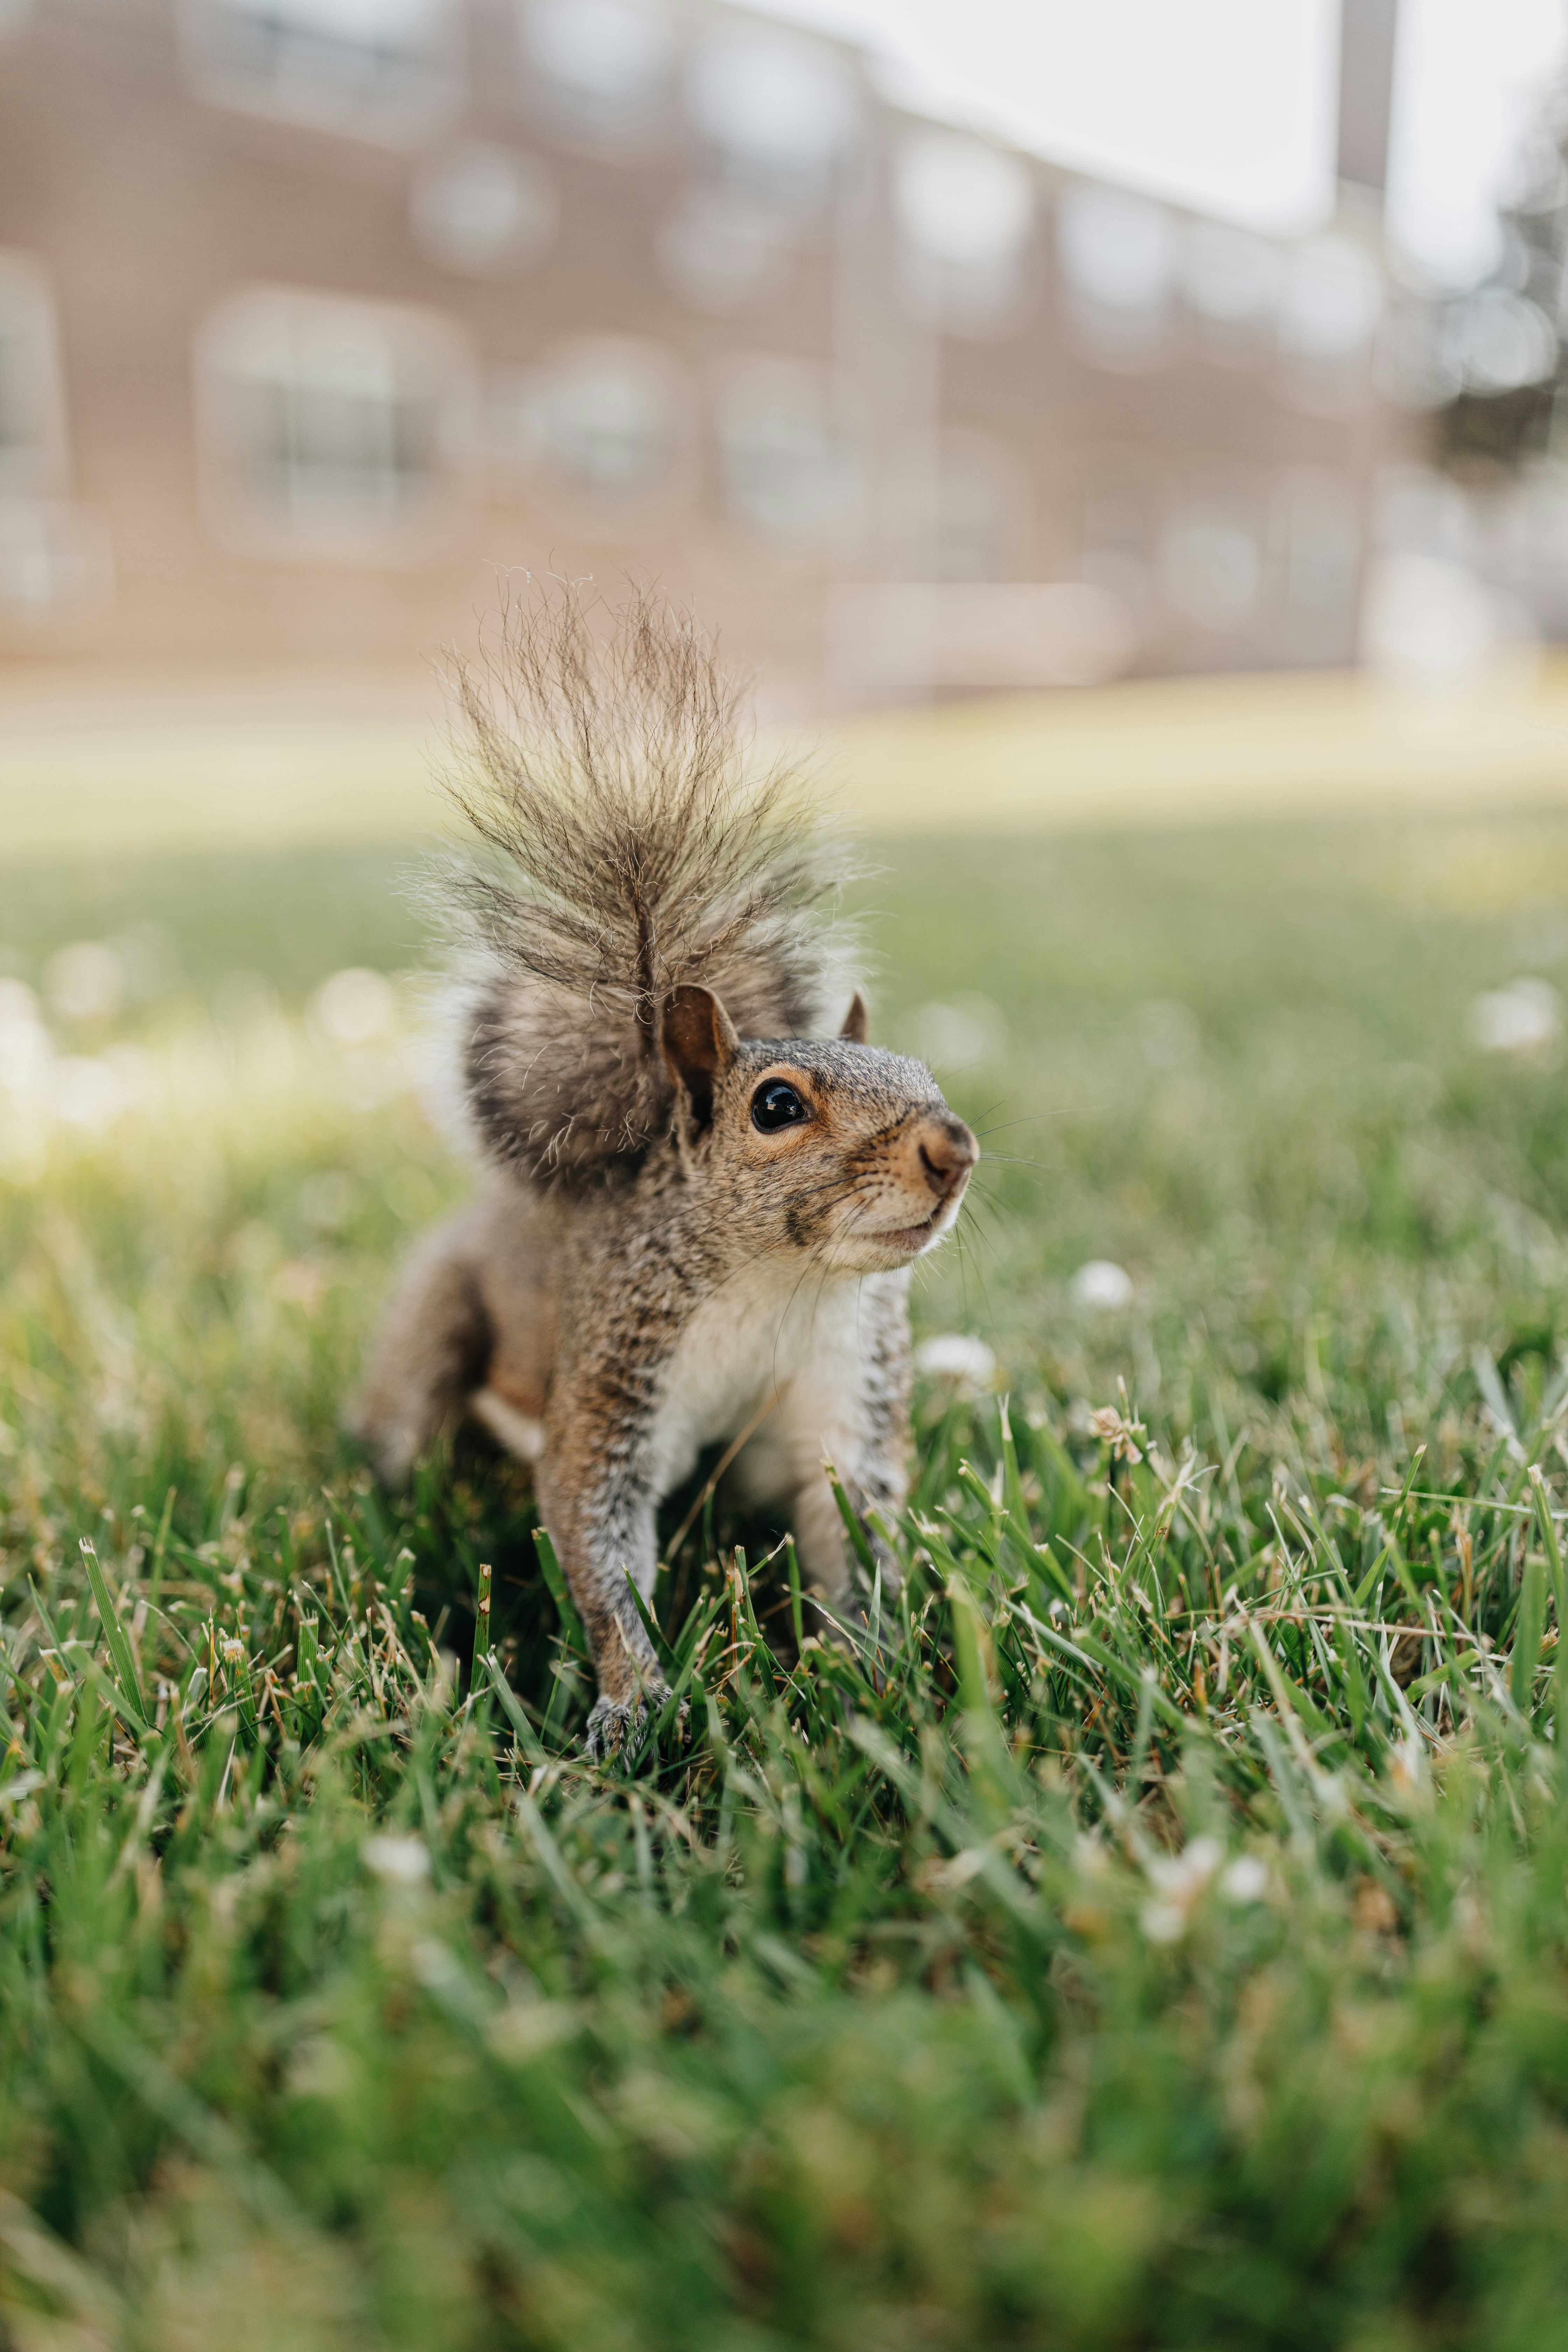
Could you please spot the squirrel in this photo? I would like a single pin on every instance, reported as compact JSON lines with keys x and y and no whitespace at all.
{"x":700,"y":1208}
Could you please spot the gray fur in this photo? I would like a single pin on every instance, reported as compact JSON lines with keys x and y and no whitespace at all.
{"x":633,"y":847}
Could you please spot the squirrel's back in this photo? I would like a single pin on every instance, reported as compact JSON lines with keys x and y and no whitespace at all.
{"x":630,"y":845}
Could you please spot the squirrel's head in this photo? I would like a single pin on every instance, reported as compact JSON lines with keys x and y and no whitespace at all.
{"x":832,"y":1148}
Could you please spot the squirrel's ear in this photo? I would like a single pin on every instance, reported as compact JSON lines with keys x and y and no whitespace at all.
{"x":856,"y":1020}
{"x":700,"y":1043}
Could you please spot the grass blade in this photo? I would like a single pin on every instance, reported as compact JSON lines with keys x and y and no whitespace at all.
{"x":130,"y":1701}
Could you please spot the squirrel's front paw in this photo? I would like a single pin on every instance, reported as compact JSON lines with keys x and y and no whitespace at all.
{"x":617,"y":1725}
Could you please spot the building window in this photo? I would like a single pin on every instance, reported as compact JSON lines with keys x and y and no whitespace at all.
{"x":1231,"y":282}
{"x":1211,"y":562}
{"x":375,"y":68}
{"x":961,"y":508}
{"x":55,"y":565}
{"x":600,"y":69}
{"x":483,"y":210}
{"x":33,"y":461}
{"x":54,"y":556}
{"x":723,"y":248}
{"x":1124,"y":503}
{"x":601,"y":432}
{"x":776,"y":112}
{"x":789,"y":467}
{"x":333,"y":429}
{"x":967,"y":211}
{"x":1330,"y":306}
{"x":983,"y":506}
{"x":1117,"y":255}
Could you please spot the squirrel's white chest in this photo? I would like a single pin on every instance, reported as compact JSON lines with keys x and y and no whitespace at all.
{"x":760,"y":1336}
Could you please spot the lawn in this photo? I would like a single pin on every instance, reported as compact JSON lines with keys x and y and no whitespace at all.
{"x":1164,"y":1945}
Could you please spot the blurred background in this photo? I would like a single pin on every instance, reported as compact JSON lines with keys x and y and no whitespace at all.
{"x":1099,"y":430}
{"x":931,"y":352}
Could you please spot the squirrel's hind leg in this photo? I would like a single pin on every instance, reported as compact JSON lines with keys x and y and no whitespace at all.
{"x":430,"y":1355}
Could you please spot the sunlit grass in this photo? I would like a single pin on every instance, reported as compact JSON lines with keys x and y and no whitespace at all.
{"x":1155,"y":1933}
{"x":271,"y":762}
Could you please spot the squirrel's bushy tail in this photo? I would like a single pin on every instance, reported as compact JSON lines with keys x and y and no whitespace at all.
{"x":631,"y":845}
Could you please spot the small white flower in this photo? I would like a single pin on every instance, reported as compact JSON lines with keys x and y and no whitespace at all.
{"x":355,"y":1007}
{"x":25,"y":1052}
{"x":955,"y":1356}
{"x":86,"y":981}
{"x":1246,"y":1880}
{"x":436,"y":1968}
{"x":1090,"y":1856}
{"x":523,"y":2028}
{"x":233,"y":1652}
{"x":89,"y":1092}
{"x":1178,"y":1880}
{"x":1103,"y":1283}
{"x":1407,"y":1766}
{"x":1163,"y":1923}
{"x":1522,"y":1021}
{"x":1182,"y":1875}
{"x":18,"y":1005}
{"x":399,"y":1861}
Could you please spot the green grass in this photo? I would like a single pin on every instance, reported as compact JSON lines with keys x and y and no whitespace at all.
{"x":1159,"y":1940}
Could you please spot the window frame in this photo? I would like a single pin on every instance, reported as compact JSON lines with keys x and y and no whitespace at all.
{"x":24,"y":289}
{"x":406,"y":119}
{"x":239,"y":517}
{"x":526,"y":472}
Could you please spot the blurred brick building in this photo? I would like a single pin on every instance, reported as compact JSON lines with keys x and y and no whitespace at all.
{"x":314,"y":312}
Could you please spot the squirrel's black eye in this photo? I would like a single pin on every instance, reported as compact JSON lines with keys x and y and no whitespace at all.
{"x":777,"y":1105}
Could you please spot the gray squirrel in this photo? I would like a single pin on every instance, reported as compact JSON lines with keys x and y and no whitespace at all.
{"x":698,"y":1214}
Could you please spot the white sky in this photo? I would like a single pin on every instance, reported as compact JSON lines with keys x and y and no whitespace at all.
{"x":1229,"y":104}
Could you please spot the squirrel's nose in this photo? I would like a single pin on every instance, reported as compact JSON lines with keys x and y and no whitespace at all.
{"x":948,"y":1152}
